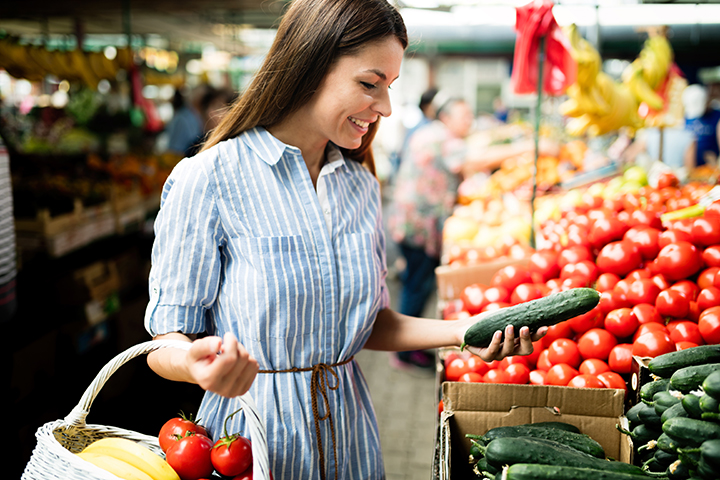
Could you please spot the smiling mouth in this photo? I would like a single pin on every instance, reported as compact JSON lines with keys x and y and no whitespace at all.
{"x":359,"y":123}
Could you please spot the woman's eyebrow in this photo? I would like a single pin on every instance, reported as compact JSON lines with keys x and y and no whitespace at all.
{"x":377,"y":72}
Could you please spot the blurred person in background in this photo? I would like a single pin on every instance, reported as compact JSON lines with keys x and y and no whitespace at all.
{"x":185,"y":131}
{"x":424,"y":196}
{"x":428,"y":113}
{"x":704,"y":121}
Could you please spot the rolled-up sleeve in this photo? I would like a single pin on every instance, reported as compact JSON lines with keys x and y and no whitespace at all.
{"x":186,"y":260}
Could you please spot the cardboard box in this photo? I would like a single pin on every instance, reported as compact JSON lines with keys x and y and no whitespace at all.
{"x":452,"y":280}
{"x":477,"y":407}
{"x":94,"y":282}
{"x":639,"y":376}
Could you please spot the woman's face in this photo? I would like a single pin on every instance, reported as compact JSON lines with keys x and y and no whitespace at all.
{"x":354,"y":93}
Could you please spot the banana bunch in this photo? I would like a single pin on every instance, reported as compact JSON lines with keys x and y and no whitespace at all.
{"x":34,"y":63}
{"x":596,"y":103}
{"x":128,"y":460}
{"x":646,"y":74}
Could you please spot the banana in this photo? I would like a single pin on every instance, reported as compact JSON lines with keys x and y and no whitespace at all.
{"x":134,"y":454}
{"x":116,"y":467}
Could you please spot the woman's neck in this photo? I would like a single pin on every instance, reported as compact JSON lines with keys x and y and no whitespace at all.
{"x":292,"y":131}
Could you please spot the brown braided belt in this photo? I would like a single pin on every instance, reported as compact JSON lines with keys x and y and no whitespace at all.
{"x":319,"y":382}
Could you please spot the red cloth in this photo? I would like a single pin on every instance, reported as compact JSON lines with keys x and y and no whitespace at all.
{"x":536,"y":20}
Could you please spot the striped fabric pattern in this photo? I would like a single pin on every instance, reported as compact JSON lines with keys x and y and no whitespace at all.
{"x":242,"y":246}
{"x":8,"y":264}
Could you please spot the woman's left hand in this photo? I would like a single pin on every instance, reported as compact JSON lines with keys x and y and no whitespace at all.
{"x":499,"y":348}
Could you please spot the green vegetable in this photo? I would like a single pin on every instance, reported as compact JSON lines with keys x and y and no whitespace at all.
{"x":676,"y":410}
{"x":632,"y":414}
{"x":578,"y":441}
{"x":678,"y":471}
{"x":664,"y":400}
{"x":648,"y":416}
{"x":667,"y":364}
{"x":711,"y":385}
{"x":691,"y":403}
{"x":691,"y":378}
{"x":668,"y":444}
{"x":709,"y":404}
{"x":648,"y":390}
{"x":690,"y":432}
{"x":534,"y":314}
{"x":569,"y":427}
{"x":641,"y":434}
{"x":530,"y":471}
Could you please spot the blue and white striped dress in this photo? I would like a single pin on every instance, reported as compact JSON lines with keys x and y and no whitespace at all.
{"x":245,"y":244}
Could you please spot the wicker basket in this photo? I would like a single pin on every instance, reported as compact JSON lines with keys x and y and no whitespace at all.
{"x":58,"y":441}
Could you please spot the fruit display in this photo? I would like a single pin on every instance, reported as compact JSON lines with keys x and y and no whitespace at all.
{"x":675,"y":427}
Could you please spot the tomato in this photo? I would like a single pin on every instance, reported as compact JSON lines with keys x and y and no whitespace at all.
{"x":673,"y":236}
{"x":544,"y":263}
{"x":496,"y":375}
{"x":593,"y":366}
{"x":706,"y":230}
{"x":471,"y":377}
{"x":455,"y":369}
{"x":711,"y":256}
{"x":560,"y":374}
{"x":606,"y":281}
{"x":473,"y":298}
{"x":706,"y":277}
{"x":510,"y":277}
{"x":686,"y":331}
{"x":621,"y":322}
{"x":178,"y":426}
{"x":476,"y":365}
{"x":620,"y":358}
{"x":533,"y":357}
{"x":646,"y":313}
{"x":648,"y":218}
{"x":524,"y":293}
{"x":709,"y":325}
{"x":713,"y":209}
{"x":452,"y":307}
{"x":596,"y":343}
{"x":708,"y":297}
{"x":683,"y":225}
{"x":248,"y":474}
{"x":575,"y":281}
{"x":661,"y":281}
{"x":605,"y":230}
{"x":574,"y":254}
{"x":543,"y":363}
{"x":564,"y":350}
{"x":693,"y":312}
{"x":519,"y":374}
{"x":512,"y":360}
{"x":672,"y":303}
{"x":583,"y":268}
{"x":559,"y":330}
{"x":687,"y":287}
{"x":639,"y":274}
{"x":653,"y":344}
{"x":190,"y":457}
{"x":232,"y":455}
{"x":586,"y":321}
{"x":649,"y":327}
{"x":679,"y":260}
{"x":619,"y":257}
{"x":622,"y":288}
{"x":685,"y":345}
{"x":646,"y":241}
{"x":612,"y":380}
{"x":667,"y":179}
{"x":585,"y":380}
{"x":643,"y":291}
{"x":537,"y":377}
{"x":491,"y":307}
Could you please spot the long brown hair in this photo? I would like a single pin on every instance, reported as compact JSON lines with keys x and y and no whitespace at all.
{"x":312,"y":35}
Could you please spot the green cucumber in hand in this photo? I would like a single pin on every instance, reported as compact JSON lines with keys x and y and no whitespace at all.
{"x":534,"y":314}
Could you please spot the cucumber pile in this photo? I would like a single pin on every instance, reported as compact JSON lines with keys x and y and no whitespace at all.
{"x":544,"y":451}
{"x":676,"y":426}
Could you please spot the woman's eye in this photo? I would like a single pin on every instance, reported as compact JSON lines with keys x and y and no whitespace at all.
{"x":369,"y":86}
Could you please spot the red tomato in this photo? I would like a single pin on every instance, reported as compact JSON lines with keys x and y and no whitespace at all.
{"x":596,"y":343}
{"x":649,"y":327}
{"x":585,"y":380}
{"x":694,"y":312}
{"x":708,"y":297}
{"x":513,"y":359}
{"x":644,"y":217}
{"x":452,"y":307}
{"x":711,"y":256}
{"x":619,"y":257}
{"x":178,"y":426}
{"x":686,"y":331}
{"x":713,"y":209}
{"x":643,"y":291}
{"x":653,"y":344}
{"x":610,"y":301}
{"x":543,"y":362}
{"x":606,"y":281}
{"x":612,"y":380}
{"x":248,"y":474}
{"x":605,"y":230}
{"x":574,"y":254}
{"x":687,"y":287}
{"x":621,"y":322}
{"x":497,"y":295}
{"x":639,"y":274}
{"x":593,"y":366}
{"x":519,"y":374}
{"x":560,"y":374}
{"x":661,"y":281}
{"x":510,"y":277}
{"x":583,"y":268}
{"x":672,"y":303}
{"x":533,"y":357}
{"x":471,"y":377}
{"x":586,"y":321}
{"x":231,"y":455}
{"x":473,"y":298}
{"x":190,"y":457}
{"x":575,"y":281}
{"x":559,"y":330}
{"x":706,"y":230}
{"x":706,"y":278}
{"x":524,"y":293}
{"x":537,"y":377}
{"x":491,"y":307}
{"x":476,"y":365}
{"x":709,"y":325}
{"x":646,"y":241}
{"x":622,"y":288}
{"x":495,"y":375}
{"x":667,"y":179}
{"x":646,"y":313}
{"x":620,"y":358}
{"x":455,"y":369}
{"x":679,"y":260}
{"x":564,"y":350}
{"x":685,"y":345}
{"x":673,"y":236}
{"x":544,"y":263}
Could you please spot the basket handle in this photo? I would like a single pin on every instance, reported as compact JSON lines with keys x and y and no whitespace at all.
{"x":256,"y":426}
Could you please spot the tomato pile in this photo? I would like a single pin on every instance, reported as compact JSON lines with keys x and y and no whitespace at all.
{"x":194,"y":456}
{"x":659,"y":284}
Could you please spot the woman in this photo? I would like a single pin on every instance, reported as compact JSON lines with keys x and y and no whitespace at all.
{"x":270,"y":242}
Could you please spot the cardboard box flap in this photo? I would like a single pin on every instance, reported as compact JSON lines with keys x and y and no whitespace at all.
{"x":567,"y":400}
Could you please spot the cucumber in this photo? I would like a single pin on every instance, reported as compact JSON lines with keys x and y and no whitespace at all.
{"x":648,"y":416}
{"x":632,"y":414}
{"x":709,"y":404}
{"x":641,"y":434}
{"x":569,"y":427}
{"x":508,"y":451}
{"x":482,"y":466}
{"x":676,"y":410}
{"x":691,"y":403}
{"x":664,"y":400}
{"x":665,"y":365}
{"x":534,"y":314}
{"x":711,"y":385}
{"x":690,"y":432}
{"x":691,"y":378}
{"x":578,"y":441}
{"x":678,"y":471}
{"x":648,"y":390}
{"x":525,"y":471}
{"x":710,"y":453}
{"x":668,"y":444}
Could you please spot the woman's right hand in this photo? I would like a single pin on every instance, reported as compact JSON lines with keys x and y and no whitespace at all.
{"x":221,"y":365}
